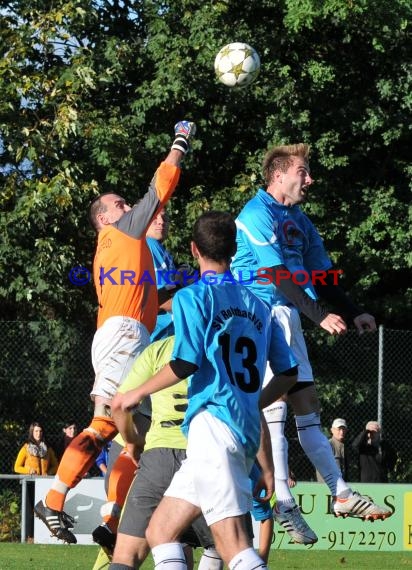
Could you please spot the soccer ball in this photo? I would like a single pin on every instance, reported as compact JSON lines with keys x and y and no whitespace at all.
{"x":237,"y":64}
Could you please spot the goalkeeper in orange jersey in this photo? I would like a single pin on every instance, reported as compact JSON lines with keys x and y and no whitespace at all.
{"x":128,"y":305}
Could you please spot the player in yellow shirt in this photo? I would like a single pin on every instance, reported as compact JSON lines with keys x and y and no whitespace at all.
{"x":164,"y":450}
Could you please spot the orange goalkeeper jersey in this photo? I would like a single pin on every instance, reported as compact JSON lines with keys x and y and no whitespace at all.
{"x":123,"y":269}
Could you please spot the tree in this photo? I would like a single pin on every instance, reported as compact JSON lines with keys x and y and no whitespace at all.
{"x":90,"y":91}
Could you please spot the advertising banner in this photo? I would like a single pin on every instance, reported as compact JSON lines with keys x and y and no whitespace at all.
{"x":392,"y":534}
{"x":83,"y":503}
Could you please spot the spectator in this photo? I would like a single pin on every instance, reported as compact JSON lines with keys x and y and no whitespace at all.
{"x":69,"y":430}
{"x":337,"y":442}
{"x":292,"y":481}
{"x":102,"y":460}
{"x":376,"y":456}
{"x":36,"y":457}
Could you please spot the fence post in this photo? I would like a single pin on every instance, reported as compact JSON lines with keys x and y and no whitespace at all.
{"x":23,"y":534}
{"x":380,"y":375}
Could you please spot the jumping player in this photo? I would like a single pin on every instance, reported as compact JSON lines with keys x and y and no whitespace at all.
{"x":281,"y":249}
{"x":128,"y":306}
{"x":118,"y":481}
{"x":223,"y":337}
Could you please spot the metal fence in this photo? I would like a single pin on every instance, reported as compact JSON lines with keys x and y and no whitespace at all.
{"x":362,"y":378}
{"x":17,"y":523}
{"x":46,"y":375}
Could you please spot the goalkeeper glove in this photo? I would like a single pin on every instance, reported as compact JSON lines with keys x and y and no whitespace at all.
{"x":183,"y":131}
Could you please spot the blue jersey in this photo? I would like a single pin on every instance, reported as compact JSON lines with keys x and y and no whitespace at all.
{"x":227,"y":332}
{"x":103,"y":457}
{"x":163,"y":262}
{"x":270,"y":234}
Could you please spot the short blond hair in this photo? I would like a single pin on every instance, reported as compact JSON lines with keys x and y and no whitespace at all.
{"x":280,"y":158}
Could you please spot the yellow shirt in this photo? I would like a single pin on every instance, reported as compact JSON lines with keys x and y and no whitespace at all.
{"x":168,"y":405}
{"x":26,"y":462}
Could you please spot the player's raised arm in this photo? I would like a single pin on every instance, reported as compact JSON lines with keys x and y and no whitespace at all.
{"x":136,"y":221}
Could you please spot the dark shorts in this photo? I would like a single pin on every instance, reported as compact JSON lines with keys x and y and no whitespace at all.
{"x":156,"y":469}
{"x":114,"y":452}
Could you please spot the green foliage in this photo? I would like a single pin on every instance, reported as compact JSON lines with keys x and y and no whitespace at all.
{"x":47,"y":370}
{"x":10,"y":506}
{"x":89,"y":93}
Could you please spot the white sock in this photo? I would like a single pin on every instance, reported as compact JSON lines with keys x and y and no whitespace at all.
{"x":247,"y":560}
{"x":210,"y":560}
{"x":170,"y":556}
{"x":317,"y":447}
{"x":275,"y":415}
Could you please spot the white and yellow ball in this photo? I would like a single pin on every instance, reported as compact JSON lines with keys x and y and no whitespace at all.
{"x":237,"y":64}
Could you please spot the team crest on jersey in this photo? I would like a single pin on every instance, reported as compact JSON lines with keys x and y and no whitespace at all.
{"x":290,"y":231}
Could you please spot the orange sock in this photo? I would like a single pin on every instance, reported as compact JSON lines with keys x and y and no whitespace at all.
{"x":120,"y":479}
{"x":79,"y":458}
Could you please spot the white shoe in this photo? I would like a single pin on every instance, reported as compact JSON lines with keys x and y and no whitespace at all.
{"x":295,"y":525}
{"x":360,"y":507}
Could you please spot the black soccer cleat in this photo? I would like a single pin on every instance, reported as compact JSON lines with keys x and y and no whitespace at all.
{"x":58,"y":522}
{"x":103,"y":536}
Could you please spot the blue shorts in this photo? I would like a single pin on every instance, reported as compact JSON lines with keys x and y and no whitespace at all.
{"x":260,"y":511}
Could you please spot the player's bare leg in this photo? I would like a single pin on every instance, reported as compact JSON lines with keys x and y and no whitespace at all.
{"x":130,"y":550}
{"x":234,"y":546}
{"x":168,"y":521}
{"x":265,"y":538}
{"x":174,"y":515}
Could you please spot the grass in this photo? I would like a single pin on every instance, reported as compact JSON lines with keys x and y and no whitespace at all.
{"x":16,"y":556}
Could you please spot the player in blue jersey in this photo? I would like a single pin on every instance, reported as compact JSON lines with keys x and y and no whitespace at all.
{"x":169,"y":277}
{"x":224,"y":336}
{"x":281,"y":257}
{"x":165,"y":270}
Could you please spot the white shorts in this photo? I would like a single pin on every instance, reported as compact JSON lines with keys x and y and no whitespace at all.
{"x":116,"y":344}
{"x":289,"y":320}
{"x":215,"y":475}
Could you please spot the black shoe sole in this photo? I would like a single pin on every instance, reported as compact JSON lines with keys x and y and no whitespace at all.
{"x":101,"y":539}
{"x":59,"y":533}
